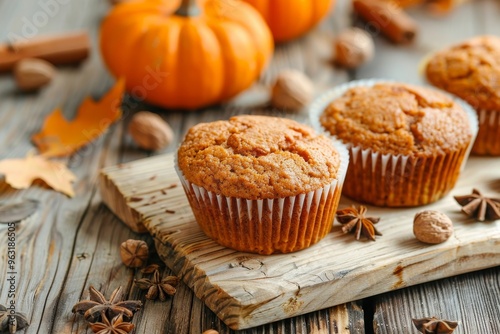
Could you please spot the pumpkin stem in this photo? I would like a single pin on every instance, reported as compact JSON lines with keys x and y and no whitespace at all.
{"x":188,"y":8}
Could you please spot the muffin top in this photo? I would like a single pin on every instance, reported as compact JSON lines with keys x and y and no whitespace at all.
{"x":470,"y":70}
{"x":392,"y":118}
{"x":257,"y":157}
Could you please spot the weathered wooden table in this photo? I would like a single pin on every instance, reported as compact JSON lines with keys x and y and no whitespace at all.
{"x":70,"y":244}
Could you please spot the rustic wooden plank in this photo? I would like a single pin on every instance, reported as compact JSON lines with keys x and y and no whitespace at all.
{"x":45,"y":241}
{"x":471,"y":299}
{"x":291,"y":284}
{"x":62,"y":246}
{"x":18,"y":111}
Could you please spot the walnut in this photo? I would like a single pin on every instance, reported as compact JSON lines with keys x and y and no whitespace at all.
{"x":150,"y":131}
{"x":353,"y":47}
{"x":292,"y":90}
{"x":432,"y":227}
{"x":32,"y":74}
{"x":134,"y":253}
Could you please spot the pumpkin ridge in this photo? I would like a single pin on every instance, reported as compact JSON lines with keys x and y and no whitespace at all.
{"x":164,"y":66}
{"x":136,"y":70}
{"x":190,"y":64}
{"x":240,"y":64}
{"x":250,"y":22}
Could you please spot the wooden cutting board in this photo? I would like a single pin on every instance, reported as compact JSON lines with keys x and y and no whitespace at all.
{"x":247,"y":290}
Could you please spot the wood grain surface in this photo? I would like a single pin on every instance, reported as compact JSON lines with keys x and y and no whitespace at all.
{"x":70,"y":244}
{"x":246,"y":290}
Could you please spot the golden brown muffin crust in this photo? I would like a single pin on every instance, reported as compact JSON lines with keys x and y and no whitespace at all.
{"x":470,"y":70}
{"x":398,"y":119}
{"x":257,"y":157}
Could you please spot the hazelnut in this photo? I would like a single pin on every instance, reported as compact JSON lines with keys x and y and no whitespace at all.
{"x":150,"y":131}
{"x":432,"y":227}
{"x":353,"y":47}
{"x":134,"y":253}
{"x":32,"y":73}
{"x":292,"y":90}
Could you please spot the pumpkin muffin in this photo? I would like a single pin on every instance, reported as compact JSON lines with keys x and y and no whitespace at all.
{"x":471,"y":70}
{"x":262,"y":184}
{"x":407,"y":143}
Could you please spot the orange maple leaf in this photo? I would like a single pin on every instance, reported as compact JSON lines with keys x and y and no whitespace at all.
{"x":20,"y":173}
{"x":60,"y":137}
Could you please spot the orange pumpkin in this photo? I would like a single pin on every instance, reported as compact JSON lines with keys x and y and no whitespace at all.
{"x":289,"y":19}
{"x":187,"y":54}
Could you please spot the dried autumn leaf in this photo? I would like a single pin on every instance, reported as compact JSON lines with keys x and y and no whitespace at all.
{"x":20,"y":173}
{"x":60,"y":137}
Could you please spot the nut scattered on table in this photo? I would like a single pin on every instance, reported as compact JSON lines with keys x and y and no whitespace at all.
{"x":134,"y":253}
{"x":210,"y":331}
{"x":150,"y":131}
{"x":432,"y":227}
{"x":353,"y":48}
{"x":32,"y":74}
{"x":292,"y":90}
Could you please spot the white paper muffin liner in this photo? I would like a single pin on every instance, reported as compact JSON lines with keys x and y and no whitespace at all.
{"x":488,"y":138}
{"x":266,"y":226}
{"x":396,"y":180}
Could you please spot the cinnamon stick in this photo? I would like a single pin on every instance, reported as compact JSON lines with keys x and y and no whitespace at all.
{"x":392,"y":21}
{"x":61,"y":49}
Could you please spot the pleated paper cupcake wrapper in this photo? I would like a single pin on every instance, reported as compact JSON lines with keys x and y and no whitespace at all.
{"x":267,"y":226}
{"x":399,"y":180}
{"x":488,"y":138}
{"x":396,"y":180}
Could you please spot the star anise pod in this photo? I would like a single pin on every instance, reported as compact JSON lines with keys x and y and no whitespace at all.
{"x":93,"y":308}
{"x":479,"y":206}
{"x":115,"y":326}
{"x":158,"y":287}
{"x":11,"y":323}
{"x":352,"y":217}
{"x":434,"y":325}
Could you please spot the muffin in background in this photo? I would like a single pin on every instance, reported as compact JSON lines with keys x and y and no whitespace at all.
{"x":471,"y":71}
{"x":407,"y":144}
{"x":262,"y":184}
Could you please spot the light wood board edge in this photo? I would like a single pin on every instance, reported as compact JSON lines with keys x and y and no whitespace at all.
{"x":326,"y":290}
{"x":187,"y":258}
{"x":115,"y":200}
